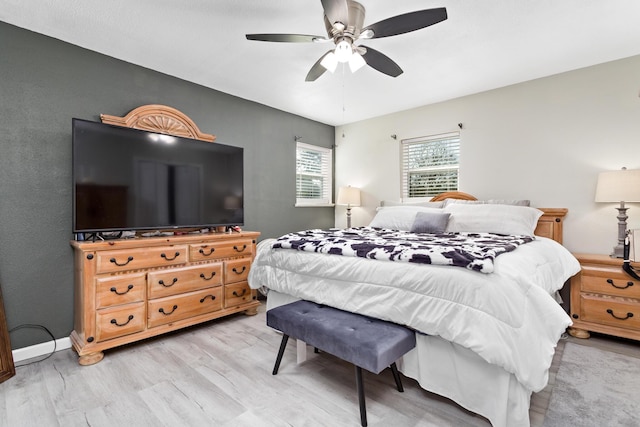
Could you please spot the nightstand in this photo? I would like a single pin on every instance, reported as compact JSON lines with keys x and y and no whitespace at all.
{"x":604,"y":298}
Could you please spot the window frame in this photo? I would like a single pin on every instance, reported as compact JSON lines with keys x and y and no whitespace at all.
{"x":405,"y":171}
{"x":326,"y":199}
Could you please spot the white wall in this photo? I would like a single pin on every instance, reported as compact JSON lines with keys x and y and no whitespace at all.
{"x":543,"y":140}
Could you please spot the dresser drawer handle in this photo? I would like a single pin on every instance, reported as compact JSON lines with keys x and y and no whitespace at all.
{"x":610,"y":281}
{"x":113,"y":260}
{"x":115,"y":290}
{"x":115,"y":322}
{"x":629,"y":315}
{"x":207,"y":254}
{"x":173,"y":282}
{"x":244,"y":267}
{"x":166,"y":314}
{"x":239,"y":250}
{"x":235,"y":293}
{"x":163,"y":255}
{"x":213,"y":273}
{"x":213,"y":297}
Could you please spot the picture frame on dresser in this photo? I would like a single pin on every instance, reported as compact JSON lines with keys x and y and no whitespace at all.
{"x":130,"y":289}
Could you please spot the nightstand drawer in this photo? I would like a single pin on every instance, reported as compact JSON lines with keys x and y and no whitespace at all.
{"x":609,"y":280}
{"x":610,"y":311}
{"x":609,"y":283}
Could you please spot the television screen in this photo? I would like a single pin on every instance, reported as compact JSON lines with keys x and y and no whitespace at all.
{"x":129,"y":179}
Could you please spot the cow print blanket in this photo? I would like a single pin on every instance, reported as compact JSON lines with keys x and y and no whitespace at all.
{"x":474,"y":251}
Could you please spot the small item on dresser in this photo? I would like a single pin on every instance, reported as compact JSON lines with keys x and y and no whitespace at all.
{"x":626,"y":265}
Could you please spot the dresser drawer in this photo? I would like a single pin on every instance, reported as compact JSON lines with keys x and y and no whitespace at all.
{"x":133,"y":259}
{"x":236,"y":270}
{"x":116,"y":290}
{"x":120,"y":320}
{"x":172,"y":309}
{"x":610,"y":311}
{"x":224,"y":249}
{"x":177,"y":280}
{"x":609,"y":282}
{"x":237,"y":294}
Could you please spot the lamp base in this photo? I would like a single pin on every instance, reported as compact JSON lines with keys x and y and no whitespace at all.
{"x":618,"y":252}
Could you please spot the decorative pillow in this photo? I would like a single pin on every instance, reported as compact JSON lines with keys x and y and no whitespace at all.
{"x":398,"y":217}
{"x":490,"y":218}
{"x":488,"y":202}
{"x":430,"y":222}
{"x":387,"y":203}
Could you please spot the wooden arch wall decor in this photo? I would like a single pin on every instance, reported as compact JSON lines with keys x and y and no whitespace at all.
{"x":161,"y":119}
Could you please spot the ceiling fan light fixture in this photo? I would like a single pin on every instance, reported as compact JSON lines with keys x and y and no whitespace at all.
{"x":329,"y":62}
{"x":343,"y":50}
{"x":356,"y":62}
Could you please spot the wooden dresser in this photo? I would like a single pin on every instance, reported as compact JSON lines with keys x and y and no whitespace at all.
{"x":130,"y":289}
{"x":604,"y":299}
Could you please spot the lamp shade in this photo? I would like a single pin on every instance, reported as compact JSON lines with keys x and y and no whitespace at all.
{"x":349,"y":196}
{"x":618,"y":186}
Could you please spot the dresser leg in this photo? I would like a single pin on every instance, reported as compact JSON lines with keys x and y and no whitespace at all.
{"x":251,"y":312}
{"x":91,"y":358}
{"x":579,"y":333}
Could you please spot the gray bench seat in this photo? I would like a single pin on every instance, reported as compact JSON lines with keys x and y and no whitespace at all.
{"x":366,"y":342}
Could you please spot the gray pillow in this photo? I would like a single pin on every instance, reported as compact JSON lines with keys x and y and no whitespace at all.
{"x":430,"y":222}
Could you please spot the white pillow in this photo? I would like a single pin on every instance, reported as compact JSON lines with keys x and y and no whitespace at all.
{"x":489,"y":218}
{"x":398,"y":217}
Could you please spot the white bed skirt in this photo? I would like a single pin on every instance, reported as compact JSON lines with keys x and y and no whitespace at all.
{"x":455,"y":372}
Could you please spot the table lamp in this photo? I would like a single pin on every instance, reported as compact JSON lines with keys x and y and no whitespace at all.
{"x":349,"y":196}
{"x":619,"y":186}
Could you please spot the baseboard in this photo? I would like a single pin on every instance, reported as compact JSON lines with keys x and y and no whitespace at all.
{"x":41,"y":349}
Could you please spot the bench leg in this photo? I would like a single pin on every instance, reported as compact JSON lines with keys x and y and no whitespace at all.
{"x":396,"y":377}
{"x":360,"y":387}
{"x":283,"y":345}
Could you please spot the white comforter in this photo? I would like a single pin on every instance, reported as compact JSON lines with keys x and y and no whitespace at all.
{"x":508,"y":317}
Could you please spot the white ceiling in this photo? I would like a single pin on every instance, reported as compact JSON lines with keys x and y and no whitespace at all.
{"x":485,"y":44}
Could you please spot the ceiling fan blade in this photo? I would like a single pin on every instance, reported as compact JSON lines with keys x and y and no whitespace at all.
{"x":406,"y":23}
{"x":286,"y":38}
{"x":317,"y":70}
{"x":336,"y":11}
{"x":381,"y":62}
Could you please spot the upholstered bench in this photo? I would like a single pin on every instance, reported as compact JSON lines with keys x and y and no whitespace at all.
{"x":366,"y":342}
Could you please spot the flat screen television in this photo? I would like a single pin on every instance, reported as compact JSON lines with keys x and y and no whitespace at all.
{"x":128,"y":179}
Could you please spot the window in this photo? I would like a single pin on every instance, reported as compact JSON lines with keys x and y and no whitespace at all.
{"x":314,"y":175}
{"x":429,"y":165}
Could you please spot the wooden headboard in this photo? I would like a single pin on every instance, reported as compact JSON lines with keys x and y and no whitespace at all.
{"x":549,"y":224}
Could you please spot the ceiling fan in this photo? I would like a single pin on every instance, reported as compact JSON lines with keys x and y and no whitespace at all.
{"x":344,"y":20}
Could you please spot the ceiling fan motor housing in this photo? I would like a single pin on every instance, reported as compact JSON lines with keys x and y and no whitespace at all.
{"x":349,"y":29}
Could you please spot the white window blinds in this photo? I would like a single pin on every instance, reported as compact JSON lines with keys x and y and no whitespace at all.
{"x":429,"y":165}
{"x":314,"y":175}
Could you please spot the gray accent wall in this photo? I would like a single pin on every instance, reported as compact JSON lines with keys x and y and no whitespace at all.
{"x":44,"y":83}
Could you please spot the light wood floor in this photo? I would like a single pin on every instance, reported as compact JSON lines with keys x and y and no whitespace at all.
{"x":219,"y":374}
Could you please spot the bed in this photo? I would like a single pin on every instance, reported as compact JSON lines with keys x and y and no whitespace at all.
{"x":486,"y":331}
